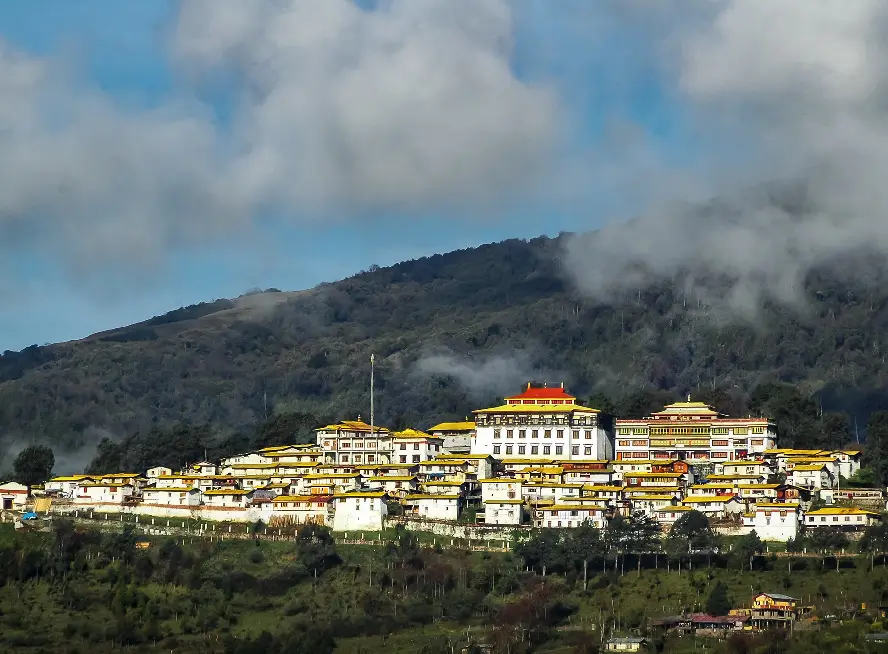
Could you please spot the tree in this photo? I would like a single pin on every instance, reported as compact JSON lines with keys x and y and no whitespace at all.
{"x":693,"y":527}
{"x":747,"y":547}
{"x":33,"y":465}
{"x":876,"y":452}
{"x":835,"y":431}
{"x":718,"y":603}
{"x":315,"y":548}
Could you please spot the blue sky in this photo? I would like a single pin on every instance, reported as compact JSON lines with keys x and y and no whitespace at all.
{"x":121,"y":49}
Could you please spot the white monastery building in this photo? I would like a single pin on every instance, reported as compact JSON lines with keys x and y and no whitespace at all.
{"x":543,"y":423}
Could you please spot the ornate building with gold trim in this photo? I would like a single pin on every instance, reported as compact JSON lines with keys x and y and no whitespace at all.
{"x":693,"y":432}
{"x":544,"y":423}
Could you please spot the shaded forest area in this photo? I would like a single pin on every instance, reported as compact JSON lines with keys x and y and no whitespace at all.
{"x":509,"y":303}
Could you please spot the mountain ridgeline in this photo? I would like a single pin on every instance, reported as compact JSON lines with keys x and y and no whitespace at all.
{"x":489,"y":317}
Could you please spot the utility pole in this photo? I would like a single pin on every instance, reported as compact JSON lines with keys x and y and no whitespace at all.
{"x":372,"y":408}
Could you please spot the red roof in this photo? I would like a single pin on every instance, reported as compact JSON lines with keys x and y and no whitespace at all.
{"x":534,"y":393}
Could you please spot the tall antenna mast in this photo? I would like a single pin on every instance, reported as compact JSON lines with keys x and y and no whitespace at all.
{"x":372,"y":413}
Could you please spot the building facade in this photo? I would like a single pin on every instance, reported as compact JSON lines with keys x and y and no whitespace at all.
{"x":693,"y":432}
{"x":543,"y":423}
{"x":354,"y":442}
{"x":457,"y":437}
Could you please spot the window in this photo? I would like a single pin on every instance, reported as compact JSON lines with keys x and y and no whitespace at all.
{"x":756,"y":430}
{"x":574,"y":514}
{"x":522,"y":433}
{"x":403,"y":446}
{"x":521,"y":449}
{"x":345,"y":458}
{"x":403,"y":459}
{"x":496,"y":449}
{"x":588,"y":435}
{"x":559,"y":449}
{"x":560,"y":433}
{"x":720,"y":443}
{"x":546,"y":449}
{"x":575,"y":450}
{"x":575,"y":433}
{"x":534,"y":449}
{"x":496,"y":433}
{"x":508,"y":449}
{"x":416,"y":446}
{"x":587,"y":451}
{"x":547,"y":433}
{"x":510,"y":433}
{"x":371,"y":458}
{"x":624,"y":443}
{"x":535,"y":433}
{"x":415,"y":458}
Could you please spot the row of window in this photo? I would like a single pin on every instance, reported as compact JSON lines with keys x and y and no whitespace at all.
{"x":535,"y":419}
{"x":358,"y":458}
{"x":547,"y":449}
{"x":547,"y":433}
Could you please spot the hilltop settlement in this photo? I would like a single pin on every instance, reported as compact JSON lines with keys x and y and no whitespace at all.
{"x":540,"y":459}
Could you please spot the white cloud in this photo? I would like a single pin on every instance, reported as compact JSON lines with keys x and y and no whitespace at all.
{"x":412,"y":107}
{"x":409,"y":106}
{"x":798,"y":90}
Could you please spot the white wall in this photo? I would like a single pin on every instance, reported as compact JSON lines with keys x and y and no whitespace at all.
{"x":358,"y":513}
{"x":438,"y":509}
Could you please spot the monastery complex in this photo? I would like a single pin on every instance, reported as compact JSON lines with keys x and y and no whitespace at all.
{"x":540,"y":459}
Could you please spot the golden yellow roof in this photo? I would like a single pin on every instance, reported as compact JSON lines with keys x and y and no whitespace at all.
{"x":743,"y":463}
{"x":355,"y":426}
{"x":435,"y":462}
{"x":499,"y":480}
{"x":777,"y":505}
{"x":758,"y":486}
{"x":814,"y":467}
{"x":411,"y":433}
{"x":102,"y":484}
{"x":467,"y":457}
{"x":371,"y":494}
{"x":733,"y":477}
{"x":542,"y":470}
{"x":537,"y":408}
{"x":667,"y":509}
{"x":718,"y":499}
{"x":121,"y":475}
{"x":296,"y":498}
{"x":226,"y":491}
{"x":252,"y":466}
{"x":171,"y":489}
{"x":443,"y":483}
{"x":503,"y":501}
{"x":651,"y":475}
{"x":645,"y":462}
{"x":332,"y":475}
{"x":572,"y":507}
{"x":549,"y":484}
{"x":454,"y":426}
{"x":837,"y":510}
{"x":603,"y":487}
{"x":391,"y":478}
{"x":643,"y":496}
{"x":429,"y":496}
{"x":73,"y":478}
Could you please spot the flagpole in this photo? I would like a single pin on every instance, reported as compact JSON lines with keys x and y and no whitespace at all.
{"x":372,"y":414}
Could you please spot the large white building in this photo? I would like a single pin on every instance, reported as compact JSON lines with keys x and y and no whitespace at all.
{"x":414,"y":446}
{"x":543,"y":423}
{"x":354,"y":442}
{"x":694,"y":432}
{"x":774,"y":521}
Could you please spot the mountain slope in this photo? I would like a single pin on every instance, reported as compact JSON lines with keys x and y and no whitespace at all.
{"x":491,"y":316}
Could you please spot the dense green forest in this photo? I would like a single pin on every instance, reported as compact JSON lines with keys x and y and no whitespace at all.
{"x":451,"y":333}
{"x":76,"y":589}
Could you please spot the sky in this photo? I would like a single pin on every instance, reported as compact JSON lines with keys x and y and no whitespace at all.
{"x":155,"y":154}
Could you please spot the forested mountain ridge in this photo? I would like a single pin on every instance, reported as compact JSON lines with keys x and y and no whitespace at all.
{"x":490,"y":315}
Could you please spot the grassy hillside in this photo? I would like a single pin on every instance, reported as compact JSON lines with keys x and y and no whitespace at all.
{"x":78,"y":590}
{"x":450,"y":333}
